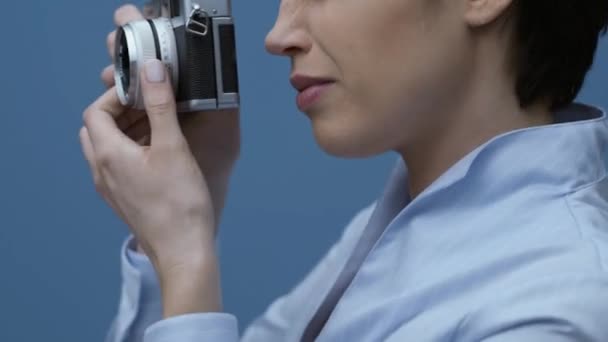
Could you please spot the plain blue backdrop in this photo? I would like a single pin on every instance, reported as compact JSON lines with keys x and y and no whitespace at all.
{"x":59,"y":242}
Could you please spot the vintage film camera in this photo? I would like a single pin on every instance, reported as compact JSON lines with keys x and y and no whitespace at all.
{"x":195,"y":39}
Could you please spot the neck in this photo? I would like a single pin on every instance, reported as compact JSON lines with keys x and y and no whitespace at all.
{"x":464,"y":127}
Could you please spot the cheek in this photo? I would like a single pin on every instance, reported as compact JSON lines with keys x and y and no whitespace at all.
{"x":405,"y":76}
{"x":391,"y":71}
{"x":347,"y":127}
{"x":363,"y":115}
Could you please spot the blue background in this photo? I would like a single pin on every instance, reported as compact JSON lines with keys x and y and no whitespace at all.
{"x":59,"y":242}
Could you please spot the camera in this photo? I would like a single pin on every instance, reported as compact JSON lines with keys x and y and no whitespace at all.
{"x":195,"y":40}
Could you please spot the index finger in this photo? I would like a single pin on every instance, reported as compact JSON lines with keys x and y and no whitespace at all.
{"x":127,"y":13}
{"x":102,"y":128}
{"x":109,"y":103}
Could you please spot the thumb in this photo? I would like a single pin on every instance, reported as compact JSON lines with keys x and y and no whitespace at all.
{"x":159,"y":102}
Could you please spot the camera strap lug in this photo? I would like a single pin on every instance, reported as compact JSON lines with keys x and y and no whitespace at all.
{"x":198,"y":21}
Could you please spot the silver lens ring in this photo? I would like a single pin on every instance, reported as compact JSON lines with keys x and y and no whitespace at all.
{"x":137,"y":42}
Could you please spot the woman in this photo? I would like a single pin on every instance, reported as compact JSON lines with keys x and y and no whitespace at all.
{"x":493,"y":225}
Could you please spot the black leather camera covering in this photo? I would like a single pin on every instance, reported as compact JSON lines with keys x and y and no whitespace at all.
{"x":196,"y":65}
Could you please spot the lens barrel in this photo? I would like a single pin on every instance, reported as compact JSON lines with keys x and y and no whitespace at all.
{"x":137,"y":42}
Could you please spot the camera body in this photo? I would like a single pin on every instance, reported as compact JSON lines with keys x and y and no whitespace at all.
{"x":195,"y":39}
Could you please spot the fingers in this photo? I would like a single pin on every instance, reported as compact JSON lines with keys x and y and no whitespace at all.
{"x":111,"y":43}
{"x":89,"y":153}
{"x":122,"y":16}
{"x":139,"y":131}
{"x":107,"y":76}
{"x":109,"y":103}
{"x":104,"y":134}
{"x":100,"y":185}
{"x":128,"y":118}
{"x":144,"y":141}
{"x":160,"y":104}
{"x":124,"y":121}
{"x":127,"y":13}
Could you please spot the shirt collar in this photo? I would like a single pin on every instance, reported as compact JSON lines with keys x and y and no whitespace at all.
{"x":565,"y":155}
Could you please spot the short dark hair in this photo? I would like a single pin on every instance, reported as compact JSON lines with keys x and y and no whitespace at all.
{"x":556,"y":41}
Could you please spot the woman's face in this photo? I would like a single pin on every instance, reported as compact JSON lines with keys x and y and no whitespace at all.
{"x":395,"y":65}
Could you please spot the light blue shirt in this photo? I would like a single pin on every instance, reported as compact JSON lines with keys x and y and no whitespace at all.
{"x":508,"y":245}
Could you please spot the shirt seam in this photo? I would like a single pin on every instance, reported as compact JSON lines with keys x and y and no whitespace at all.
{"x":455,"y":336}
{"x":581,"y":233}
{"x":500,"y":301}
{"x":467,"y":317}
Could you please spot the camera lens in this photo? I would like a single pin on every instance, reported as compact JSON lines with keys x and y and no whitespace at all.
{"x":124,"y":62}
{"x":135,"y":43}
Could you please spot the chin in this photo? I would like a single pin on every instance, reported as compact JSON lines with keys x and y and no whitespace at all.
{"x":340,"y":140}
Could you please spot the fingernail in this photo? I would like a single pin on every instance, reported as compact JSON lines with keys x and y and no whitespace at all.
{"x":155,"y":71}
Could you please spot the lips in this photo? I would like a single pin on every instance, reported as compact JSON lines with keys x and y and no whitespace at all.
{"x":302,"y":82}
{"x":310,"y":89}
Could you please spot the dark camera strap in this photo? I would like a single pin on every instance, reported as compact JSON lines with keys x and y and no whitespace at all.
{"x":387,"y":208}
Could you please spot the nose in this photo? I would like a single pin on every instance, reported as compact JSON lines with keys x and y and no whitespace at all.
{"x":288,"y":37}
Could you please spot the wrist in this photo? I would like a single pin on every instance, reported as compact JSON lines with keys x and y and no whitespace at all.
{"x":218,"y":185}
{"x":190,"y":287}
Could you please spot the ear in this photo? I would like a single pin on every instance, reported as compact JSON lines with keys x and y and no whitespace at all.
{"x":483,"y":12}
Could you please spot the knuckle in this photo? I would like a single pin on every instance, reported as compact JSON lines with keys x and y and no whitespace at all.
{"x":173,"y":146}
{"x":124,"y":11}
{"x":100,"y":186}
{"x":181,"y":145}
{"x":160,"y":105}
{"x":104,"y":158}
{"x":82,"y":132}
{"x":107,"y":76}
{"x":129,"y":8}
{"x":158,"y":98}
{"x":87,"y":116}
{"x":118,"y":13}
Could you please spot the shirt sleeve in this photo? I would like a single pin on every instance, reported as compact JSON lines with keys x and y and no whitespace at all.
{"x":139,"y":317}
{"x":139,"y":303}
{"x":557,"y":309}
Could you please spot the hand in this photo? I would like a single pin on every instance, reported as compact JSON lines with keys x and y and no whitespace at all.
{"x":213,"y":137}
{"x":159,"y":190}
